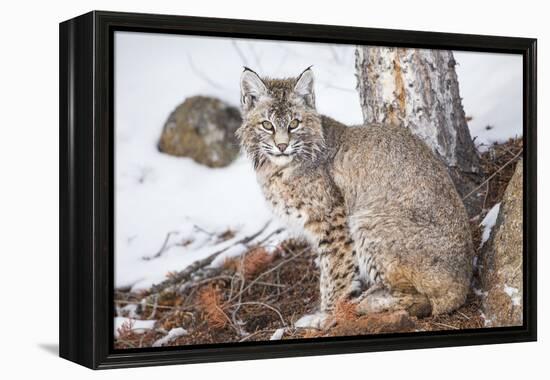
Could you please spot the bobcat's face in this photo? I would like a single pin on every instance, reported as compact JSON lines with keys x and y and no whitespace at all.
{"x":280,"y":123}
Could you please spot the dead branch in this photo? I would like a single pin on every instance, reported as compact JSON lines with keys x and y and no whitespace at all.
{"x":242,"y":279}
{"x":445,"y":325}
{"x":271,"y":284}
{"x":255,"y":333}
{"x":185,"y":275}
{"x":155,"y":305}
{"x":264,"y":305}
{"x":199,"y":228}
{"x":290,"y":288}
{"x":238,"y":295}
{"x":269,"y":236}
{"x":493,"y":175}
{"x":462,"y":314}
{"x":145,"y":303}
{"x":163,"y":247}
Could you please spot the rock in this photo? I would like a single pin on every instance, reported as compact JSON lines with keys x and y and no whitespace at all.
{"x":501,"y":268}
{"x":203,"y":129}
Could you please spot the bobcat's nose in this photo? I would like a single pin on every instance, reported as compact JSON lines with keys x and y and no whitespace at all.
{"x":282,"y":147}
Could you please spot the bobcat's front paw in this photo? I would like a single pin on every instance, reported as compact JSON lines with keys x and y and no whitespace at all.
{"x":312,"y":321}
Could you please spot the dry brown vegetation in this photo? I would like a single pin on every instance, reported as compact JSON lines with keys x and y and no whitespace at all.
{"x":252,"y":263}
{"x":498,"y":163}
{"x":249,"y":297}
{"x":211,"y":305}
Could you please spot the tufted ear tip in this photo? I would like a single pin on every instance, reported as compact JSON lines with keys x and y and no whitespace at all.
{"x":304,"y":86}
{"x":252,"y":87}
{"x":304,"y":82}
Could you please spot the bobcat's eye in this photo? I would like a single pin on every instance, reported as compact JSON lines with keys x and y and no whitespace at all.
{"x":293,"y":124}
{"x":267,"y":126}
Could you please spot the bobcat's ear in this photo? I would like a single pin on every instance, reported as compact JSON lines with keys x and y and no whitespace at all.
{"x":252,"y":88}
{"x":304,"y":87}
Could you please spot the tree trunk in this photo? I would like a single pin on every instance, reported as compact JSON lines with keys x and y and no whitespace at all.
{"x":418,"y":89}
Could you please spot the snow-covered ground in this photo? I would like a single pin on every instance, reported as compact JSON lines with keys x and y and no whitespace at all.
{"x":178,"y":207}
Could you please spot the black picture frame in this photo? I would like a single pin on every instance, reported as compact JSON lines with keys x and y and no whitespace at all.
{"x":86,"y":188}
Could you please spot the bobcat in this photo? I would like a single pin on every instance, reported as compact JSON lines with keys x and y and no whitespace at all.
{"x":389,"y":228}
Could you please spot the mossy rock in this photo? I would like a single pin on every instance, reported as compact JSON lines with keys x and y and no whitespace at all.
{"x":202,"y":128}
{"x":502,"y":259}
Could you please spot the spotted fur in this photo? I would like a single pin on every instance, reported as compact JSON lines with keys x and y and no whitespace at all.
{"x":389,"y":227}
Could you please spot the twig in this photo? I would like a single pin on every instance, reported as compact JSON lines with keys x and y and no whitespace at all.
{"x":276,"y":232}
{"x":237,"y":306}
{"x":494,"y":174}
{"x":297,"y":283}
{"x":235,"y":276}
{"x":185,"y":274}
{"x":516,"y":271}
{"x":256,"y":333}
{"x":162,"y":248}
{"x":145,"y":303}
{"x":270,"y":284}
{"x":445,"y":325}
{"x":485,"y":198}
{"x":155,"y":305}
{"x":236,"y":327}
{"x":265,"y":305}
{"x":267,"y":272}
{"x":126,"y":342}
{"x":198,"y":228}
{"x":464,"y":315}
{"x":141,"y":340}
{"x":211,"y":279}
{"x":248,"y":239}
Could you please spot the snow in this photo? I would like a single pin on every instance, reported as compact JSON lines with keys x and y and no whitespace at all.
{"x":172,"y":334}
{"x":315,"y":321}
{"x":278,"y":334}
{"x":487,"y":322}
{"x":185,"y":200}
{"x":168,"y":210}
{"x":491,"y":88}
{"x":513,"y":293}
{"x":479,"y":292}
{"x":129,"y":310}
{"x":138,"y":326}
{"x":488,"y":223}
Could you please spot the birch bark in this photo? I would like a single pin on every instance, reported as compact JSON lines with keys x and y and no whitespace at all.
{"x":418,"y":89}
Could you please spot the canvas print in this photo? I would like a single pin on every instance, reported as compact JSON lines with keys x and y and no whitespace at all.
{"x":274,"y":190}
